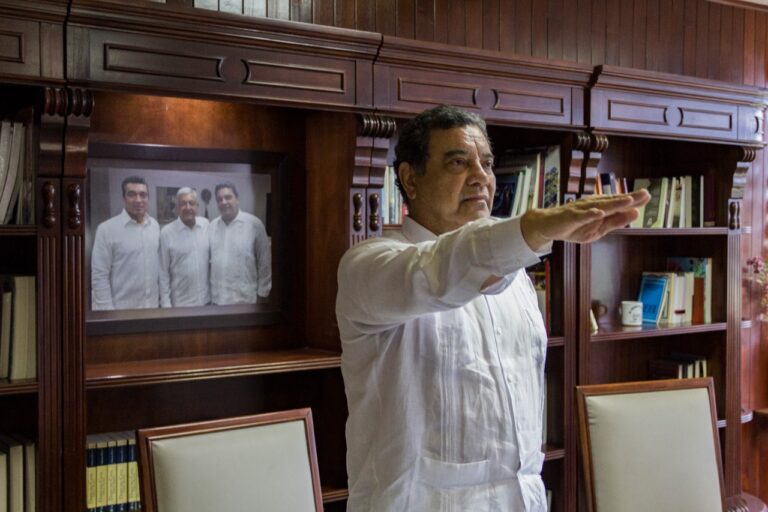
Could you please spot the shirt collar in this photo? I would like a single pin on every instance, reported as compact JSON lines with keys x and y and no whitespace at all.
{"x":180,"y":226}
{"x":127,"y":219}
{"x":415,"y":232}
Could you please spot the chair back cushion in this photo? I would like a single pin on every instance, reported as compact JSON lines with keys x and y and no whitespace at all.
{"x":654,"y":451}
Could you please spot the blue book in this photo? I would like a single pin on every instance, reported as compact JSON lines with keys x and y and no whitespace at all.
{"x":653,"y":289}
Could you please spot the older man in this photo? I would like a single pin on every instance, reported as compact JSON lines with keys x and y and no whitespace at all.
{"x":184,"y":255}
{"x":124,"y":263}
{"x":241,"y":258}
{"x":443,"y":345}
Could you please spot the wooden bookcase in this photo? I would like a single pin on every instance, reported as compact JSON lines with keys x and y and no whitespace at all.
{"x":654,"y":125}
{"x":154,"y":74}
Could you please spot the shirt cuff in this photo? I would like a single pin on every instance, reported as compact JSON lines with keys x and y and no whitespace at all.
{"x":509,"y":250}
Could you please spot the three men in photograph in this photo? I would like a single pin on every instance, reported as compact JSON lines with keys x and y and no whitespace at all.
{"x":190,"y":262}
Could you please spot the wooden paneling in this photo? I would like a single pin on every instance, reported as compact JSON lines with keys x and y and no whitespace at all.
{"x":692,"y":37}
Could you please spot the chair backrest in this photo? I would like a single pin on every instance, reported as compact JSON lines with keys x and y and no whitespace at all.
{"x":651,"y":446}
{"x":264,"y":462}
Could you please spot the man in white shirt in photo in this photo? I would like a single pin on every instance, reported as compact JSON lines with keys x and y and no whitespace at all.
{"x":443,"y":345}
{"x":124,"y":261}
{"x":185,"y":255}
{"x":241,"y":257}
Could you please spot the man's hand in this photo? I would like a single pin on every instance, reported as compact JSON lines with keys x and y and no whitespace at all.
{"x":583,"y":221}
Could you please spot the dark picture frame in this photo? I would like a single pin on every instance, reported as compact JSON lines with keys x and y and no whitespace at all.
{"x":261,"y":178}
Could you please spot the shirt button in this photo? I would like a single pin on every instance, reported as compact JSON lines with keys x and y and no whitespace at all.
{"x":498,"y":331}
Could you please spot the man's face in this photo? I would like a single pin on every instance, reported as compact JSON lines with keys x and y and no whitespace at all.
{"x":136,"y":200}
{"x":458,"y":184}
{"x":187,"y":208}
{"x":228,"y":203}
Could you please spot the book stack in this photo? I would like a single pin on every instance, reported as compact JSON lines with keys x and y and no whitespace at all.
{"x":679,"y":365}
{"x":676,"y":202}
{"x":16,"y":179}
{"x":18,"y":328}
{"x":527,"y":179}
{"x":17,"y":473}
{"x":393,"y":209}
{"x":680,"y":295}
{"x":112,"y":472}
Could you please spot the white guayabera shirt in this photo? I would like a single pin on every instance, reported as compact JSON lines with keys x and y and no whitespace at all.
{"x":124,"y":264}
{"x":443,"y":381}
{"x":184,"y":259}
{"x":241,"y":260}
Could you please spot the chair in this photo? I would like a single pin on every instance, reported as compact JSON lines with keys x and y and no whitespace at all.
{"x":651,"y":446}
{"x":265,"y":462}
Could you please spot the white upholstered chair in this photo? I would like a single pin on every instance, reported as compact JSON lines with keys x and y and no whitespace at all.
{"x":265,"y":462}
{"x":651,"y":446}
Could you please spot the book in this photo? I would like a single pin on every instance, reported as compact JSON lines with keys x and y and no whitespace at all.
{"x":30,"y":472}
{"x":23,"y":358}
{"x":656,"y":208}
{"x":639,"y":184}
{"x":90,"y":474}
{"x":504,"y":197}
{"x":15,"y":478}
{"x":551,"y":195}
{"x":653,"y":289}
{"x":6,"y":322}
{"x":3,"y":481}
{"x":134,"y":499}
{"x":701,"y":302}
{"x":10,"y":191}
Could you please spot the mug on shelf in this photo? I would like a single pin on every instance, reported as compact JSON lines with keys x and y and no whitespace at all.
{"x":631,"y":312}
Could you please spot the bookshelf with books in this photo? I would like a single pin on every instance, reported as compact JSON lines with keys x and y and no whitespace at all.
{"x":144,"y":76}
{"x":31,"y":74}
{"x":638,"y":149}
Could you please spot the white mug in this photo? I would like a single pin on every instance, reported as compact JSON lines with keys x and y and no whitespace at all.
{"x":631,"y":312}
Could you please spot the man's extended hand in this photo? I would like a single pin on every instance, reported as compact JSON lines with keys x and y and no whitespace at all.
{"x":585,"y":220}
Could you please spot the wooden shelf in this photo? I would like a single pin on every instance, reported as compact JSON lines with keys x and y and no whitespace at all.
{"x":610,"y":332}
{"x":21,"y":387}
{"x":552,"y":452}
{"x":160,"y":371}
{"x":670,"y":232}
{"x":556,"y":341}
{"x":15,"y":230}
{"x":332,"y":494}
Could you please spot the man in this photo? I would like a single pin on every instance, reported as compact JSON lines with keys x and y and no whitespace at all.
{"x":241,"y":260}
{"x":443,"y":345}
{"x":124,"y":265}
{"x":184,"y":255}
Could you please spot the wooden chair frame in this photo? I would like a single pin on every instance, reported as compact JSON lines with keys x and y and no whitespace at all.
{"x":146,"y":437}
{"x":585,"y":445}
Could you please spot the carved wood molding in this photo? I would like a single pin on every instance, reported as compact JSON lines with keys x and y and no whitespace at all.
{"x":738,"y":183}
{"x":49,"y":205}
{"x":598,"y":144}
{"x":74,"y":211}
{"x":63,"y":102}
{"x":371,"y":149}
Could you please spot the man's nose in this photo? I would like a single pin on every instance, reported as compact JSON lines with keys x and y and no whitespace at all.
{"x":477,"y":173}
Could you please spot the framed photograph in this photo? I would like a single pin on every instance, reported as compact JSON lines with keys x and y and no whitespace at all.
{"x":184,"y":238}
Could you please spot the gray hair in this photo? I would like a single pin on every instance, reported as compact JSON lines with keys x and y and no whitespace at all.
{"x":183,"y":191}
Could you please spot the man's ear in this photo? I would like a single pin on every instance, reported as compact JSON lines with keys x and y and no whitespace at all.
{"x":407,"y":176}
